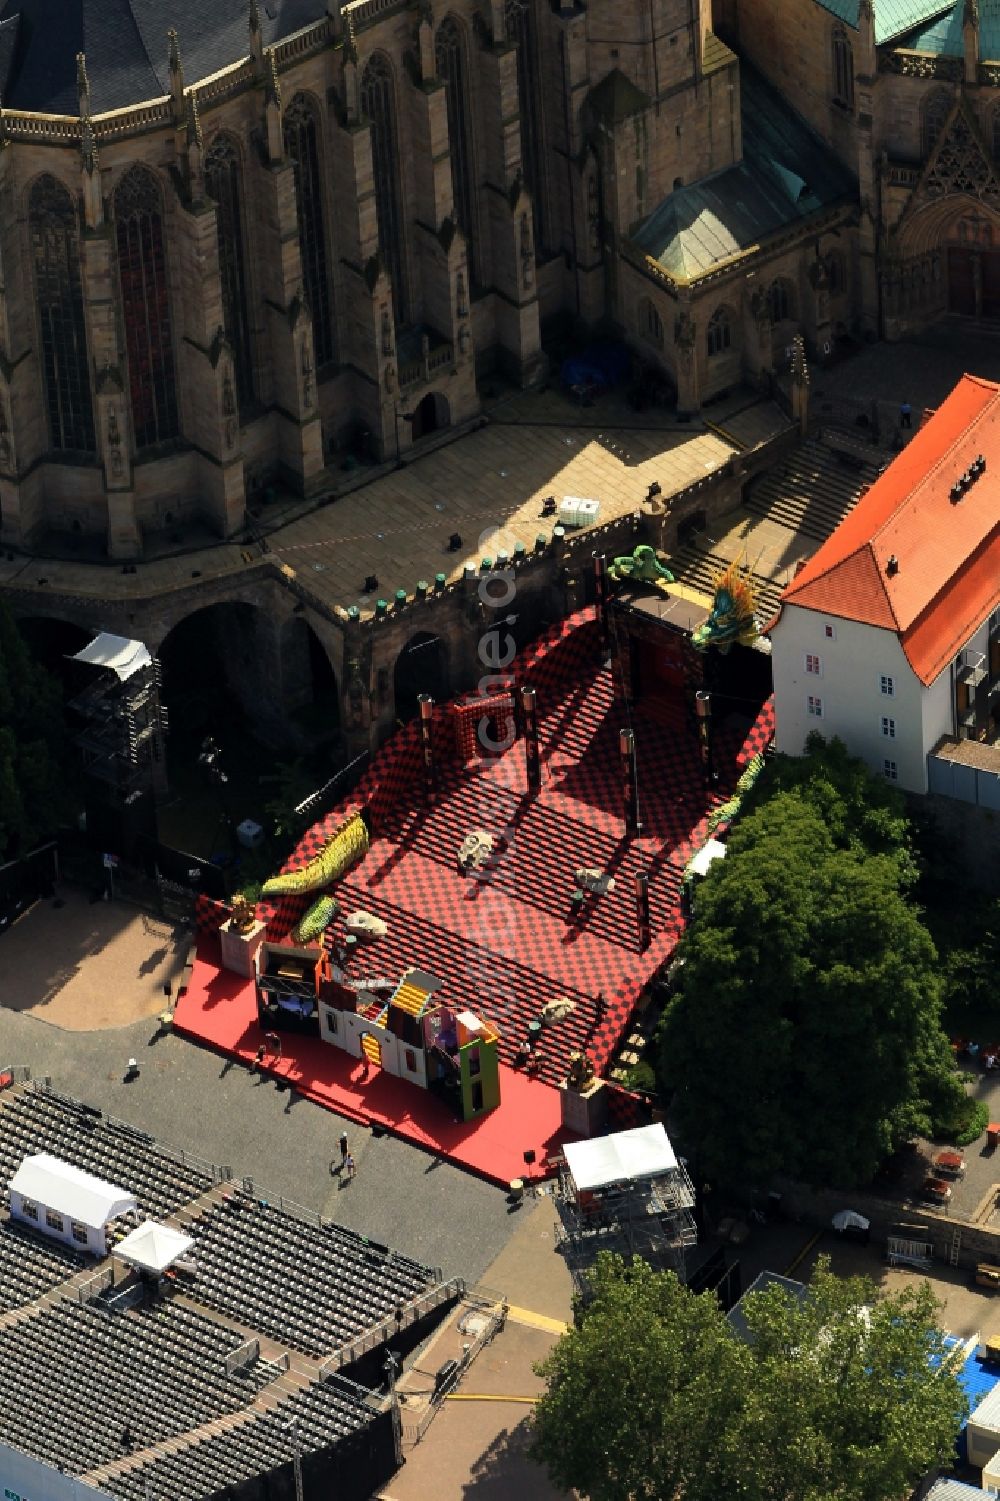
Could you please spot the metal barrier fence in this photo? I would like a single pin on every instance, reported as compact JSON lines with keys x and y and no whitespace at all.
{"x":414,"y":1429}
{"x":411,"y":1313}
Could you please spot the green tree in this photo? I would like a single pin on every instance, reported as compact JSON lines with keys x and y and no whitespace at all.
{"x":805,"y":1036}
{"x":633,"y":1391}
{"x":861,"y":812}
{"x":32,"y":745}
{"x":847,"y":1392}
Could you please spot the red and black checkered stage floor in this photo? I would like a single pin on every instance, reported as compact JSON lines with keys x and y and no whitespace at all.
{"x":506,"y":944}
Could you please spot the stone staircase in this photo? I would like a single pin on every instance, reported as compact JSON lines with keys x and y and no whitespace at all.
{"x":699,"y":569}
{"x":816,"y":486}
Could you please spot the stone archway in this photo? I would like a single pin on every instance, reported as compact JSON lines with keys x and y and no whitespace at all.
{"x":421,"y":667}
{"x":946,"y":260}
{"x":432,"y":415}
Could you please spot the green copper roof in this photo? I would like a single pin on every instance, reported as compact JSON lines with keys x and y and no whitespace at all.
{"x":944,"y":36}
{"x":786,"y":175}
{"x":892,"y":17}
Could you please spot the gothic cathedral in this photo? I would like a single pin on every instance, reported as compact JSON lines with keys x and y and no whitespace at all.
{"x":285,"y":231}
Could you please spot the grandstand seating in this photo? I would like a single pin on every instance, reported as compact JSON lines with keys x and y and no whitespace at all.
{"x":31,"y":1265}
{"x":73,"y":1377}
{"x":325,"y":1414}
{"x":37,"y":1120}
{"x":315,"y":1288}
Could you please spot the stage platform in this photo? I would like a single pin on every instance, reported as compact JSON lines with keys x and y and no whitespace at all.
{"x":219,"y":1009}
{"x":505,"y":942}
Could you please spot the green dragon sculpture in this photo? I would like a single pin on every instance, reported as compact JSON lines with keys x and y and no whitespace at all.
{"x":732,"y":614}
{"x":643,"y":567}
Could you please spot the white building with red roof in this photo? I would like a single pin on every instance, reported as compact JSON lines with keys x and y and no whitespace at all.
{"x":888,"y":635}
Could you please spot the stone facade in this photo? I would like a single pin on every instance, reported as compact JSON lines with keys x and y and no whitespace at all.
{"x":921,"y":131}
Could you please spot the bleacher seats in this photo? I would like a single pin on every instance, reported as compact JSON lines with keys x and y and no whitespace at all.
{"x":36,"y":1120}
{"x":31,"y":1265}
{"x":329,"y":1412}
{"x":313,"y":1288}
{"x":74,"y":1377}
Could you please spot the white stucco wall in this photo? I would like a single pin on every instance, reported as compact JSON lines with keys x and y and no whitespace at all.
{"x":853,"y":661}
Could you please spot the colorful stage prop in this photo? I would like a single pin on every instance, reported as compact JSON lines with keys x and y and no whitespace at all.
{"x":583,"y":1097}
{"x":732,"y":614}
{"x":409,"y":1033}
{"x":348,"y":845}
{"x":316,"y":918}
{"x":239,"y":939}
{"x":643,"y":567}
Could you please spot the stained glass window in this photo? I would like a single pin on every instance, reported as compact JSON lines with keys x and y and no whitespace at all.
{"x":223,"y":180}
{"x":522,"y":31}
{"x":379,"y":106}
{"x":55,"y":247}
{"x":451,"y":67}
{"x":302,"y":148}
{"x":142,"y":272}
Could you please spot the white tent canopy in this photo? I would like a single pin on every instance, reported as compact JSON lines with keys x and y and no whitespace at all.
{"x":123,"y":656}
{"x":849,"y":1219}
{"x":68,"y":1191}
{"x":713,"y":850}
{"x":621,"y":1158}
{"x":153,"y":1247}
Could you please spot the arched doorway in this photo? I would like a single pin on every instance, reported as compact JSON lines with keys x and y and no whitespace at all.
{"x":432,"y":414}
{"x":421,"y":667}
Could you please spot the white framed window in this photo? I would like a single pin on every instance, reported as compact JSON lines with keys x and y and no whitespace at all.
{"x":814,"y":706}
{"x":29,"y":1210}
{"x":78,"y":1232}
{"x":830,"y":632}
{"x":814,"y":664}
{"x":53,"y":1220}
{"x":887,"y":685}
{"x":888,"y":727}
{"x":890,"y":771}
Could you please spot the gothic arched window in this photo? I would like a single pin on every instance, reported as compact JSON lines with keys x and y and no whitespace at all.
{"x":451,"y":67}
{"x":302,"y":148}
{"x":378,"y":104}
{"x":142,"y":271}
{"x":843,"y":69}
{"x":937,"y":108}
{"x":720,"y":331}
{"x":781,"y":304}
{"x":223,"y":181}
{"x":836,"y":272}
{"x":650,"y":323}
{"x":521,"y":30}
{"x":995,"y":131}
{"x":55,"y":249}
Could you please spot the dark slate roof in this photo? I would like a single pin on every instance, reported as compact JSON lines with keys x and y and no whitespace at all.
{"x":125,"y":42}
{"x":786,"y":175}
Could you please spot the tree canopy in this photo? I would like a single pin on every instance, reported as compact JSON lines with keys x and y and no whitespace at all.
{"x":32,"y":738}
{"x":805,"y":1036}
{"x":652,"y":1396}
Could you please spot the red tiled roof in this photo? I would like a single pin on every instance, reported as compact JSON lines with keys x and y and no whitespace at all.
{"x":948,"y":555}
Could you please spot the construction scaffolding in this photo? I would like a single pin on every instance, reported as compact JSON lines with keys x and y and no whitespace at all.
{"x":123,"y":721}
{"x":628,"y":1194}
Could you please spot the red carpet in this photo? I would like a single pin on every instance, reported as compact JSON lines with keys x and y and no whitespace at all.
{"x":504,"y":942}
{"x":219,"y":1009}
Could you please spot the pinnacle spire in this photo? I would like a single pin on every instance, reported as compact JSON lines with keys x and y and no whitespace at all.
{"x":83,"y":85}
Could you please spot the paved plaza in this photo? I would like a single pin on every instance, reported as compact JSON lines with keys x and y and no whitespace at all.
{"x":398,"y":526}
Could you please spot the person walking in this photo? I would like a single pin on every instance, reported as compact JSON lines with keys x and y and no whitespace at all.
{"x":349,"y":1167}
{"x":906,"y":415}
{"x":343,"y":1148}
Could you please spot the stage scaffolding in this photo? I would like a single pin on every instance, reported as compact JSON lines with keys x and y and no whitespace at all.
{"x":644,"y":1211}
